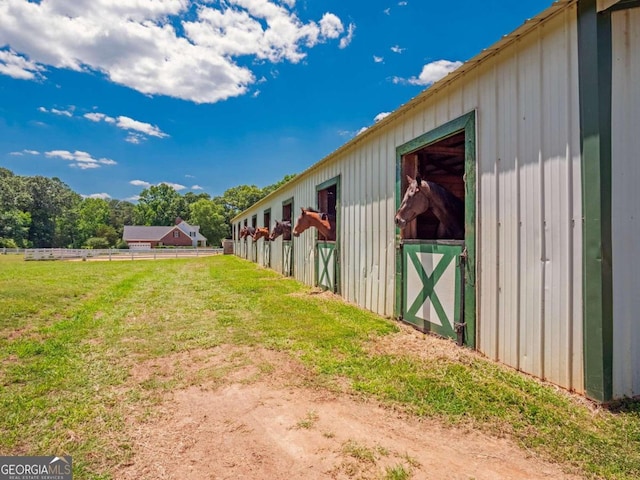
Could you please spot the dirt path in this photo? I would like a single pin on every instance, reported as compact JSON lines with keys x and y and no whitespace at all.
{"x":255,"y":414}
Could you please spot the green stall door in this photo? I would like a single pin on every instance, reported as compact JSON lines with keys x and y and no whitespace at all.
{"x":326,"y":266}
{"x":432,"y":286}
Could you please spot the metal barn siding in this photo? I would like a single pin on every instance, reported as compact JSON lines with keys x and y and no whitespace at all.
{"x":626,"y":201}
{"x":529,"y":238}
{"x":528,"y":198}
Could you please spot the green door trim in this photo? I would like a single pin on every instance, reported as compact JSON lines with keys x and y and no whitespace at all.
{"x":288,"y":243}
{"x":466,"y":123}
{"x":595,"y":77}
{"x":324,"y":185}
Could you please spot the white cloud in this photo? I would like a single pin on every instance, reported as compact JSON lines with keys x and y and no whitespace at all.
{"x":18,"y":66}
{"x":24,"y":152}
{"x":140,"y":183}
{"x":397,"y":49}
{"x":144,"y":184}
{"x":55,"y":111}
{"x":196,"y":187}
{"x":135,"y":43}
{"x":79,"y":159}
{"x":133,"y":198}
{"x":403,"y":4}
{"x":387,"y":11}
{"x":127,"y":123}
{"x":189,"y":176}
{"x":431,"y":72}
{"x":175,"y":186}
{"x":331,"y":26}
{"x":377,"y":59}
{"x":137,"y":130}
{"x":345,"y":41}
{"x":380,"y":116}
{"x":104,"y":196}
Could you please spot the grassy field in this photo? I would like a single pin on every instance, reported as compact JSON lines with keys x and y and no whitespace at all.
{"x":70,"y":332}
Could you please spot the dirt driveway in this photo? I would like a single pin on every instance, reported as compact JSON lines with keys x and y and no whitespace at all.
{"x":257,"y":414}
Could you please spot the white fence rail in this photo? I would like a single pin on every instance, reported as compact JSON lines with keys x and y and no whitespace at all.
{"x":11,"y":251}
{"x":116,"y":254}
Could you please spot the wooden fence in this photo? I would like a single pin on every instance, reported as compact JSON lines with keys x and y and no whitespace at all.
{"x":116,"y":254}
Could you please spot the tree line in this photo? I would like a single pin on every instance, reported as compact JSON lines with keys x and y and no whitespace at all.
{"x":42,"y":212}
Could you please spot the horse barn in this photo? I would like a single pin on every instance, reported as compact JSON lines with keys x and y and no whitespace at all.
{"x":537,"y":137}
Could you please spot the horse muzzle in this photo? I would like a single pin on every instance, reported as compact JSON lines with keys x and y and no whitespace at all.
{"x":400,"y":222}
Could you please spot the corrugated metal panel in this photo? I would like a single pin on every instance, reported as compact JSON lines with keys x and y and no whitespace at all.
{"x":626,"y":201}
{"x":529,"y":239}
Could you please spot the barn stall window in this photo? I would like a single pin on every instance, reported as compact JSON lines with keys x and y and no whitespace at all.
{"x":287,"y":212}
{"x":266,"y":218}
{"x":441,"y":162}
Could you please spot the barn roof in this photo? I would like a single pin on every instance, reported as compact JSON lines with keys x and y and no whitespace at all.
{"x":471,"y":64}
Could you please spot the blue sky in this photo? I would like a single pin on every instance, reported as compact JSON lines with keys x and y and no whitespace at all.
{"x":112,"y":96}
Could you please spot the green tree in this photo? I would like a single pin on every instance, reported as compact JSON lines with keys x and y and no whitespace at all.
{"x":49,"y":201}
{"x":96,"y":243}
{"x":160,"y":205}
{"x":211,"y":219}
{"x":121,"y":214}
{"x":14,"y":220}
{"x":109,"y":234}
{"x":93,"y":213}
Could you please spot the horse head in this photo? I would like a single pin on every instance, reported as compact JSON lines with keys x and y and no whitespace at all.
{"x":279,"y":229}
{"x":312,"y":218}
{"x":302,"y":223}
{"x":261,"y":232}
{"x":414,"y":202}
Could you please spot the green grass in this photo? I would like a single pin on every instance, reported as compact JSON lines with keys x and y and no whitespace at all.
{"x":71,"y":332}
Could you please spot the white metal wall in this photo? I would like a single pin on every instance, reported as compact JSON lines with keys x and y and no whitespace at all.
{"x":529,"y":187}
{"x":626,"y":201}
{"x":529,"y":240}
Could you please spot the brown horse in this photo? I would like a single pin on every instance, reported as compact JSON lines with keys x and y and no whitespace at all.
{"x":279,"y":229}
{"x":422,"y":195}
{"x":325,"y":223}
{"x":246,"y":232}
{"x":261,"y":232}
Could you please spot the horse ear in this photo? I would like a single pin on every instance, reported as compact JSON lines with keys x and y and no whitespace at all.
{"x":419,"y":180}
{"x":409,"y":179}
{"x":324,"y":216}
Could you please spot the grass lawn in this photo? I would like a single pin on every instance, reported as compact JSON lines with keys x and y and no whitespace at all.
{"x":70,"y":332}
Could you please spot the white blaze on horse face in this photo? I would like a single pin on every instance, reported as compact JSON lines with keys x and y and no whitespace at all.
{"x":406,"y":212}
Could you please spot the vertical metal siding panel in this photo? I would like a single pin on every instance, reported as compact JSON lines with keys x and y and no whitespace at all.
{"x":375,"y":232}
{"x":365,"y":222}
{"x":577,"y":368}
{"x":455,"y":102}
{"x":487,"y":224}
{"x":530,"y":141}
{"x":626,"y":201}
{"x":346,"y":229}
{"x":557,"y":214}
{"x":354,"y":259}
{"x":507,"y":137}
{"x":390,"y":209}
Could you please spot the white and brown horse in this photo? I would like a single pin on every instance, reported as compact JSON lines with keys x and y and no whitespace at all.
{"x":422,"y":195}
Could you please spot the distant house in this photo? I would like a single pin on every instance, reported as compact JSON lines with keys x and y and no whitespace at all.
{"x":179,"y":235}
